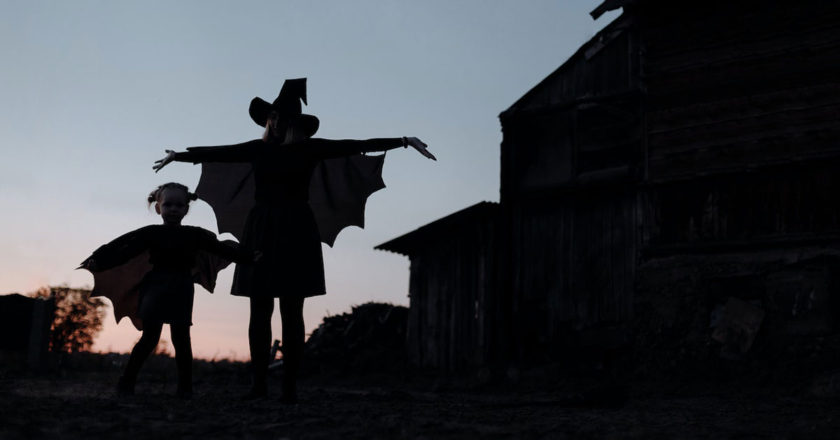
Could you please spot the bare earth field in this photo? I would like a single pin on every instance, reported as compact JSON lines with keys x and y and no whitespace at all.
{"x":76,"y":404}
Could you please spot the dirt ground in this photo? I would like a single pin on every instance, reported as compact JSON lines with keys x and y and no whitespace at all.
{"x":76,"y":402}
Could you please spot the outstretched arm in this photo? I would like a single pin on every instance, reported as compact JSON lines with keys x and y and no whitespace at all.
{"x":327,"y":148}
{"x":243,"y":152}
{"x":118,"y":251}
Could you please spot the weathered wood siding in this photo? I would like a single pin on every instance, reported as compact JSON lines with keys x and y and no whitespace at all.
{"x":458,"y":318}
{"x":570,"y":161}
{"x":580,"y":121}
{"x":738,"y":85}
{"x":771,"y":205}
{"x":574,"y":267}
{"x":741,"y":126}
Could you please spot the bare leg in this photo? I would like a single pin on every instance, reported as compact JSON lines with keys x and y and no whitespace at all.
{"x":142,"y":349}
{"x":183,"y":358}
{"x":259,"y":339}
{"x":291,"y":312}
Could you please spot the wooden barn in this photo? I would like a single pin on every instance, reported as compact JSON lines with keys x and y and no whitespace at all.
{"x":737,"y":199}
{"x":571,"y":157}
{"x":672,"y":180}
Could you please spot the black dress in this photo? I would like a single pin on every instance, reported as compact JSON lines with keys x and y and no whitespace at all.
{"x":281,"y":225}
{"x":166,"y":291}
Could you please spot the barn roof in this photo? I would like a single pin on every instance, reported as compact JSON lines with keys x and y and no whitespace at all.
{"x":553,"y":84}
{"x":607,"y":6}
{"x":409,"y":243}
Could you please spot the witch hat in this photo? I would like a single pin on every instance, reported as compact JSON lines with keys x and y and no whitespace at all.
{"x":287,"y":105}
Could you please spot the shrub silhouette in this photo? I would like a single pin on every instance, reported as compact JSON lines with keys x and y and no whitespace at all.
{"x":77,"y":319}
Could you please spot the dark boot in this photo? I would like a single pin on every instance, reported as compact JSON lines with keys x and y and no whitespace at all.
{"x":259,"y":388}
{"x":185,"y":387}
{"x":291,"y":367}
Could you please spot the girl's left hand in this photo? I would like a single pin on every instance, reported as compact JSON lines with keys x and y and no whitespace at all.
{"x":170,"y":156}
{"x":418,"y":145}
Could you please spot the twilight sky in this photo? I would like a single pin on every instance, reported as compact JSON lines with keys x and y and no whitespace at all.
{"x":92,"y":93}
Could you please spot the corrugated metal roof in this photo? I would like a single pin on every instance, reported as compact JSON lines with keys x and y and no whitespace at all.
{"x":418,"y":238}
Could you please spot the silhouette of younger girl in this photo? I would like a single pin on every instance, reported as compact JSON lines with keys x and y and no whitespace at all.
{"x":166,"y":287}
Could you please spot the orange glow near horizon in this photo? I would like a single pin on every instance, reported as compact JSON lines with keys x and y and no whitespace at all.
{"x":219,"y":331}
{"x":120,"y":338}
{"x":220,"y":320}
{"x":211,"y":339}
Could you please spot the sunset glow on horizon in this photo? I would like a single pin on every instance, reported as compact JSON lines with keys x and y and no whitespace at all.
{"x":94,"y":92}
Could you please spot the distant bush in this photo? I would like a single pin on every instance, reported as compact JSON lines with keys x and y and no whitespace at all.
{"x":77,"y":319}
{"x":371,"y":338}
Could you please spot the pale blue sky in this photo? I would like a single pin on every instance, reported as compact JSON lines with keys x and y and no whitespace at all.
{"x":93,"y":91}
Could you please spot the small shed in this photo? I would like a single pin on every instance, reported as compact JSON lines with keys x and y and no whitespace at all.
{"x":458,"y":315}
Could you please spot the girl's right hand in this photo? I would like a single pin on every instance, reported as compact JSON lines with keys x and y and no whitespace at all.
{"x":170,"y":156}
{"x":420,"y":146}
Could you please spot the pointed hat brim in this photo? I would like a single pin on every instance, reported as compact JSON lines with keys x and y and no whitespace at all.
{"x":259,"y":110}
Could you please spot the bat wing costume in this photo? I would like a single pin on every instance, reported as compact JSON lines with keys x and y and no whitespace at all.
{"x":149,"y":273}
{"x":338,"y":191}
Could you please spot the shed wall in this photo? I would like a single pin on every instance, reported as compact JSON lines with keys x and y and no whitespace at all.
{"x":457,"y":317}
